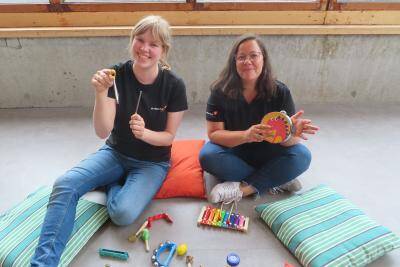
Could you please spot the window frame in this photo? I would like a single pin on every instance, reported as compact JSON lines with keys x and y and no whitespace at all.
{"x":357,"y":6}
{"x":189,"y":5}
{"x":59,"y":19}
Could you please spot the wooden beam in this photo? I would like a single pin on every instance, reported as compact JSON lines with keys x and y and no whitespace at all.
{"x":201,"y":18}
{"x":367,"y":6}
{"x":386,"y":17}
{"x":177,"y":18}
{"x":271,"y":5}
{"x":192,"y":5}
{"x":324,"y":5}
{"x":361,"y":6}
{"x":56,"y":32}
{"x":59,"y":6}
{"x":94,"y":7}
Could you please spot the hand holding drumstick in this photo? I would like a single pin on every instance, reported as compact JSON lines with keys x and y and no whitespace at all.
{"x":102,"y":80}
{"x":113,"y":75}
{"x":136,"y":123}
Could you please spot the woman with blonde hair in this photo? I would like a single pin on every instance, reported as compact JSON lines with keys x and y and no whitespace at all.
{"x":139,"y":113}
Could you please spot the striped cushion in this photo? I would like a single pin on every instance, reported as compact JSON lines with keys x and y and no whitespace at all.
{"x":321,"y":228}
{"x":20,"y":228}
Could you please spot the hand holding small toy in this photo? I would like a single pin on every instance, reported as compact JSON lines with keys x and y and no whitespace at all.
{"x":102,"y":80}
{"x":257,"y":133}
{"x":137,"y":125}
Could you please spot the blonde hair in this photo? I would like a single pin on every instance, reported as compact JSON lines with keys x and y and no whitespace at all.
{"x":160,"y":30}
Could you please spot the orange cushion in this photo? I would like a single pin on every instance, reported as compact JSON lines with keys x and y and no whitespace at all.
{"x":185,"y":177}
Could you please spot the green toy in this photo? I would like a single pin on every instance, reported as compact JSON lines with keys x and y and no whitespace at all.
{"x":145,"y":237}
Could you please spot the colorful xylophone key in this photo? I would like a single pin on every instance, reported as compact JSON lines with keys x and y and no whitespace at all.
{"x":221,"y":218}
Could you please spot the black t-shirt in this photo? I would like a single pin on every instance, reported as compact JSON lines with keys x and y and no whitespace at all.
{"x":238,"y":115}
{"x":166,"y":94}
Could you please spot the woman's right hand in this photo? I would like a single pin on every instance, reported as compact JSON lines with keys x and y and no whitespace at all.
{"x":257,"y":133}
{"x":102,"y":80}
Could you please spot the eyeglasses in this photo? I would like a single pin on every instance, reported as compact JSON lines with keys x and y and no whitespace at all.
{"x":252,"y":56}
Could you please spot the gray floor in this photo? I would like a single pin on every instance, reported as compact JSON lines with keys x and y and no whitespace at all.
{"x":356,"y":153}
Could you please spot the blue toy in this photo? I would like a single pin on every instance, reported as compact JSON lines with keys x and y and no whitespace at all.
{"x":121,"y":255}
{"x":167,"y":245}
{"x":233,"y":259}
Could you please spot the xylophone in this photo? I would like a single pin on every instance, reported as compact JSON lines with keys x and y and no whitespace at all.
{"x":218,"y":217}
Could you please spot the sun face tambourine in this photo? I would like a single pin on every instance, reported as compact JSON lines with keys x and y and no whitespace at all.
{"x":282,"y":127}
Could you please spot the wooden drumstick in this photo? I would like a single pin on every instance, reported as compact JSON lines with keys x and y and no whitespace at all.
{"x":114,"y":74}
{"x":138,"y":102}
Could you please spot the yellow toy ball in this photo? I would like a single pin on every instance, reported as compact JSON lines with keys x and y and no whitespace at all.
{"x":181,"y":250}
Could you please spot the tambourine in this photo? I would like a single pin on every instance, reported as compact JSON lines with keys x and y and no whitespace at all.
{"x":167,"y":246}
{"x":281,"y":124}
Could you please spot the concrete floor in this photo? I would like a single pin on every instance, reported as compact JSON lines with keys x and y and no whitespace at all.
{"x":355,"y":153}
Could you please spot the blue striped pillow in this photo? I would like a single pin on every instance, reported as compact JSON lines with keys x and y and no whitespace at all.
{"x":321,"y":228}
{"x":20,"y":228}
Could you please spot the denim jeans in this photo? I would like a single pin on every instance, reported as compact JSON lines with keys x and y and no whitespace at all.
{"x":261,"y":166}
{"x":130,"y":186}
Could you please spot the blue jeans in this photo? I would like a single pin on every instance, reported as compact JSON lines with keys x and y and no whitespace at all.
{"x":262,"y":166}
{"x":140,"y":182}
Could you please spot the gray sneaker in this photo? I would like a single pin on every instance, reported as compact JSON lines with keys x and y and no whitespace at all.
{"x":291,"y":186}
{"x":226,"y":192}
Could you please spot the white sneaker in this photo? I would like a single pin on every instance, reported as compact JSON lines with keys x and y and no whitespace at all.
{"x":225,"y":192}
{"x":291,"y":186}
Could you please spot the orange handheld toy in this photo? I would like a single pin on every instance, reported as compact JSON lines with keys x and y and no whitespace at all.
{"x":281,"y":124}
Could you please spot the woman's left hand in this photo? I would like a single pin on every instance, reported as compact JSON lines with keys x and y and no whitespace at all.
{"x":302,"y":126}
{"x":137,"y":125}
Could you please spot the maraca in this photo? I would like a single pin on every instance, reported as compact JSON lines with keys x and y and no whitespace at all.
{"x":145,"y":237}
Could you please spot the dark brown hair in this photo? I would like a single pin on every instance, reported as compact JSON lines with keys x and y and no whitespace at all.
{"x":229,"y":80}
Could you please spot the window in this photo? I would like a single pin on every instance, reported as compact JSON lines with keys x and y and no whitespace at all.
{"x":199,"y":17}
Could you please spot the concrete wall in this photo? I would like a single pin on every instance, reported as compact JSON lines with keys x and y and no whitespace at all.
{"x":56,"y":72}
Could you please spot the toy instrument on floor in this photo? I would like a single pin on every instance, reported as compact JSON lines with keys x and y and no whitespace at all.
{"x":218,"y":217}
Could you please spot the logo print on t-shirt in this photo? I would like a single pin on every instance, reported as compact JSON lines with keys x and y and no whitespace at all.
{"x":214,"y":113}
{"x":159,"y":108}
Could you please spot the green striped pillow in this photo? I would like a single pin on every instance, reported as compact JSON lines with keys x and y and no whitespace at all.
{"x":321,"y":228}
{"x":20,"y":228}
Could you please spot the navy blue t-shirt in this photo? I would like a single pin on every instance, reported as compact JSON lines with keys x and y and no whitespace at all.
{"x":166,"y":94}
{"x":238,"y":115}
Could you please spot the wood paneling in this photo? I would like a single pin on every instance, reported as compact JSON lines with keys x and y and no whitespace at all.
{"x":176,"y":18}
{"x":48,"y":32}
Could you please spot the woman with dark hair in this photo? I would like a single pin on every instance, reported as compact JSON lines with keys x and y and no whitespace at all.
{"x":237,"y":153}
